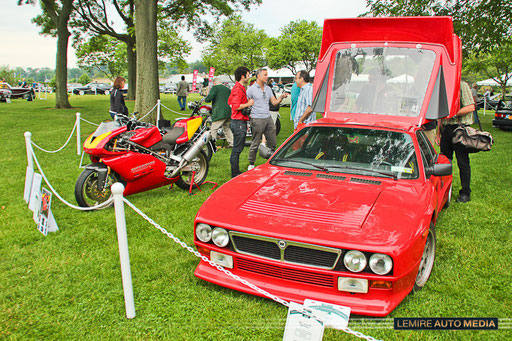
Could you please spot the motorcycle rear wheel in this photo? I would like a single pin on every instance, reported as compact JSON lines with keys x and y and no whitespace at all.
{"x":86,"y":189}
{"x":200,"y":165}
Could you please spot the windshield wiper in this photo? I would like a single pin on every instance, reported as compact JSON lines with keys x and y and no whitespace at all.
{"x":304,"y":163}
{"x":391,"y":175}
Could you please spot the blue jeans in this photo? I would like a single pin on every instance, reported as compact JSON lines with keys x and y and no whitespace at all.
{"x":239,"y":130}
{"x":182,"y":101}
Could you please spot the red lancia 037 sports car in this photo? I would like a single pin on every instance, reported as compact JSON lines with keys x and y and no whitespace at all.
{"x":345,"y":210}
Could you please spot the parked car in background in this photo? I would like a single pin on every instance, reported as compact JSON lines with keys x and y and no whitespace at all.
{"x":286,"y":102}
{"x":72,"y":86}
{"x":170,"y":88}
{"x":18,"y":92}
{"x":5,"y":95}
{"x":503,"y":114}
{"x":93,"y":88}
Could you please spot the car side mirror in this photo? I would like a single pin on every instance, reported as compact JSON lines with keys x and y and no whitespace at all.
{"x":441,"y":169}
{"x":265,"y":152}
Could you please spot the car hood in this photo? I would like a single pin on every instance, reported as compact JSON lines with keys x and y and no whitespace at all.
{"x":282,"y":203}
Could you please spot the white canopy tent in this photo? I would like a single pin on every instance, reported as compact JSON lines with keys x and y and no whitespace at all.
{"x":492,"y":82}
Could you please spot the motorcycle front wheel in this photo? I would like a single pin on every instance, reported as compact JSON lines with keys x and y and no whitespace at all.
{"x":199,"y":165}
{"x":87,"y":193}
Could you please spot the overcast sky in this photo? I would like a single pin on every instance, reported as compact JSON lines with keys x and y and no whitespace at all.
{"x":21,"y":44}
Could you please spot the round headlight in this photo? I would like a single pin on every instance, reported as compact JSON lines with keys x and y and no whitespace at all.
{"x":355,"y":261}
{"x":220,"y":237}
{"x":203,"y":232}
{"x":380,"y":264}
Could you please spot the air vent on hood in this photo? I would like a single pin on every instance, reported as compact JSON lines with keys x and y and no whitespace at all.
{"x":297,"y":173}
{"x":329,"y":176}
{"x":365,"y":181}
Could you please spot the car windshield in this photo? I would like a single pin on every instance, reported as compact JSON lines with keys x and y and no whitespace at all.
{"x":372,"y":152}
{"x":381,"y":80}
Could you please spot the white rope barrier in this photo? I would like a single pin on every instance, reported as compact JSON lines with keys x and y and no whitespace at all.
{"x":173,"y":111}
{"x":94,"y":124}
{"x":57,"y":150}
{"x":102,"y":205}
{"x":230,"y":274}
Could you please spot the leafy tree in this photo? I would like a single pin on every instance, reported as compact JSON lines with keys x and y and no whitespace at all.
{"x":7,"y":74}
{"x":297,"y":47}
{"x":481,"y":24}
{"x":103,"y":53}
{"x":197,"y":65}
{"x":182,"y":13}
{"x":84,"y":79}
{"x":94,"y":19}
{"x":235,"y":43}
{"x":495,"y":64}
{"x":54,"y":21}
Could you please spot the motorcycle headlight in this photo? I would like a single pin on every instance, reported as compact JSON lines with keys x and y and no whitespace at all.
{"x":355,"y":261}
{"x":381,"y":264}
{"x":203,"y":232}
{"x":220,"y":237}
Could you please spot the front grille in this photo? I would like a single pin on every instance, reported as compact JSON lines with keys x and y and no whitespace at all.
{"x":296,"y":254}
{"x":300,"y":276}
{"x":285,"y":251}
{"x":262,"y":248}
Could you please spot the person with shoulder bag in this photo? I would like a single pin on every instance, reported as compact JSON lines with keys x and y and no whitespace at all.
{"x":445,"y":135}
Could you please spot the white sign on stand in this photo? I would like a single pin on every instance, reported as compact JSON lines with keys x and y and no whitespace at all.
{"x":300,"y":327}
{"x":44,"y":211}
{"x":35,"y":192}
{"x":334,"y":316}
{"x":28,"y":183}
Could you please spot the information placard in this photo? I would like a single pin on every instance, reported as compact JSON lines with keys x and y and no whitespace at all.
{"x":333,"y":316}
{"x":301,"y":327}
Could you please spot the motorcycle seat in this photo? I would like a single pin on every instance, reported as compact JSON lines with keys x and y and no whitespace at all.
{"x":172,"y":134}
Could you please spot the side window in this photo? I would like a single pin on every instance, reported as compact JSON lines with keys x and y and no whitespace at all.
{"x":427,"y":151}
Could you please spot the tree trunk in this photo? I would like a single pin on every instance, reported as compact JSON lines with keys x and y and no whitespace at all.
{"x":132,"y":68}
{"x":147,"y":63}
{"x":61,"y":67}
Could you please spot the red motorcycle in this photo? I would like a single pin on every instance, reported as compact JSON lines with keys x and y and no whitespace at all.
{"x":142,"y":157}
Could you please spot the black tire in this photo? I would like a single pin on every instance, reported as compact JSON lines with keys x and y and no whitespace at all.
{"x":200,"y":165}
{"x":208,"y":150}
{"x":427,"y":260}
{"x":278,"y":126}
{"x":86,"y":190}
{"x":81,"y":92}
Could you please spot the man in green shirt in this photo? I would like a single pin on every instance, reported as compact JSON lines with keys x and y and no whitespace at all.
{"x":221,"y":111}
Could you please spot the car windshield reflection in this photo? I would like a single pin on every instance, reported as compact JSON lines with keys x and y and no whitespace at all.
{"x":372,"y":152}
{"x":381,"y":80}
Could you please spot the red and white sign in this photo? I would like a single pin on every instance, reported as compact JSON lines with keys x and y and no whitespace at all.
{"x":210,"y":76}
{"x":194,"y":80}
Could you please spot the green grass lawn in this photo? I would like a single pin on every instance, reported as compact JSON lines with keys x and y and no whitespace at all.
{"x":68,"y":285}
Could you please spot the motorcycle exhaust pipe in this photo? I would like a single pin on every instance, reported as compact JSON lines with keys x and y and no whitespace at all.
{"x":192,"y":152}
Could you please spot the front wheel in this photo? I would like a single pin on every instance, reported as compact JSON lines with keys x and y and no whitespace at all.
{"x":81,"y":92}
{"x":107,"y":92}
{"x":87,"y":193}
{"x":199,"y":165}
{"x":278,"y":126}
{"x":427,"y":260}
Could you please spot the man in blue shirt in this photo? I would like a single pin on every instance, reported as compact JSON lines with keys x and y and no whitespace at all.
{"x":304,"y":112}
{"x":261,"y":120}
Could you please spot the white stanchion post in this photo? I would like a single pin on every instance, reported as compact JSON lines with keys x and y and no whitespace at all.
{"x":28,"y":143}
{"x":124,"y":256}
{"x":485,"y":104}
{"x":78,"y":142}
{"x":158,"y":111}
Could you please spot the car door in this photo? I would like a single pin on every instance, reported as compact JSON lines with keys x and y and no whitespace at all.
{"x":429,"y":157}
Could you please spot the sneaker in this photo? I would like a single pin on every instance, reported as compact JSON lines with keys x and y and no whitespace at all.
{"x":250,"y":167}
{"x":464,"y":198}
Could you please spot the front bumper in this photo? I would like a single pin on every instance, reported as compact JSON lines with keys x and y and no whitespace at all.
{"x":296,"y":283}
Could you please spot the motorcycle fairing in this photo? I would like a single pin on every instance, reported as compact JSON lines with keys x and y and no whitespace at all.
{"x":190,"y":125}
